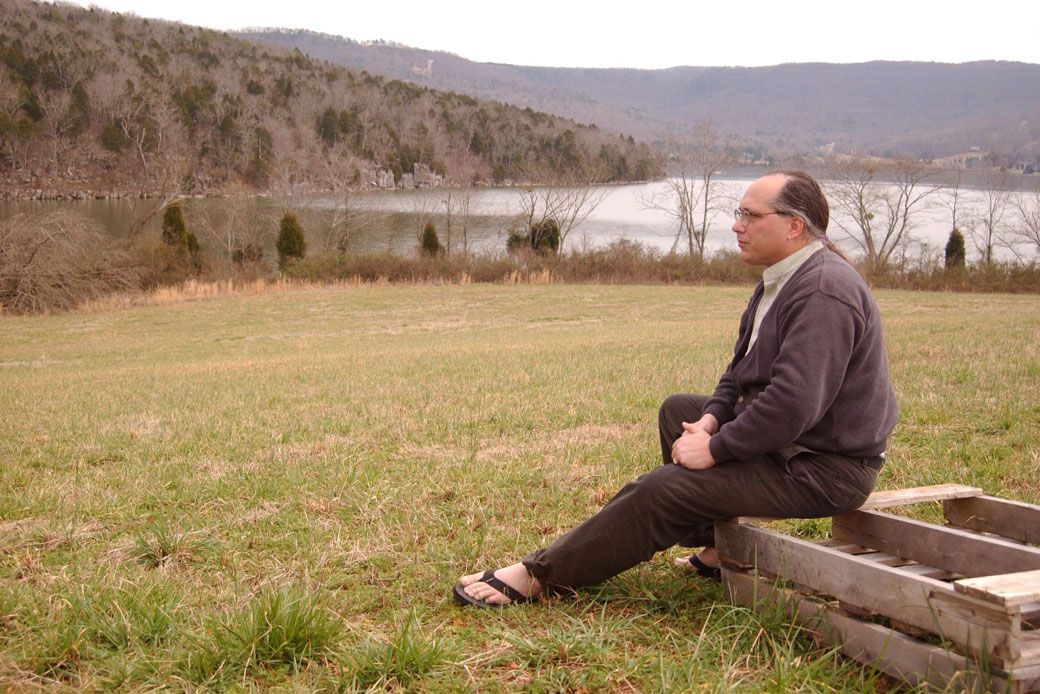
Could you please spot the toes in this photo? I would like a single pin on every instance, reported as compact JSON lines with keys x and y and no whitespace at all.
{"x":482,"y":591}
{"x":471,"y":578}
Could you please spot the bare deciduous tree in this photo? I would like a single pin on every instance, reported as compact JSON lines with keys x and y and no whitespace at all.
{"x":343,"y":178}
{"x":680,"y":201}
{"x":569,"y":200}
{"x":57,"y":123}
{"x":1027,"y":228}
{"x":986,"y":227}
{"x":137,"y":128}
{"x":450,"y":206}
{"x":694,"y":196}
{"x":229,"y":134}
{"x":16,"y":135}
{"x":424,"y":207}
{"x":236,"y":228}
{"x":951,"y":195}
{"x":164,"y":164}
{"x":459,"y":203}
{"x":290,"y":184}
{"x":461,"y":207}
{"x":878,"y":204}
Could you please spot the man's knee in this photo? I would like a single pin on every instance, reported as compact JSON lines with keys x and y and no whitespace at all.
{"x":679,"y":408}
{"x":658,"y":487}
{"x":671,"y":406}
{"x":665,"y":503}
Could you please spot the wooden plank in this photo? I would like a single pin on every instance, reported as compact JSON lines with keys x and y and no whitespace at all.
{"x":883,"y":558}
{"x":845,"y":547}
{"x":893,"y":497}
{"x":917,"y":495}
{"x":1006,"y":589}
{"x":853,"y":611}
{"x":1014,"y":520}
{"x":929,"y":571}
{"x":1031,"y":649}
{"x":891,"y":652}
{"x":957,"y":551}
{"x":1031,"y":614}
{"x":1020,"y":647}
{"x":870,"y":586}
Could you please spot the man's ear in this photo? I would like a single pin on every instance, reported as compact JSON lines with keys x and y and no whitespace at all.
{"x":796,"y":228}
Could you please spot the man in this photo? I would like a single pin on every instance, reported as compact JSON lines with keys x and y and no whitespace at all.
{"x":797,"y":425}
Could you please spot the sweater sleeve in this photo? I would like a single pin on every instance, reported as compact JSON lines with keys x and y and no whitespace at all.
{"x":816,"y":338}
{"x":723,"y":401}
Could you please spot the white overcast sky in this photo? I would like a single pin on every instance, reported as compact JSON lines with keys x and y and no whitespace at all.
{"x":564,"y":33}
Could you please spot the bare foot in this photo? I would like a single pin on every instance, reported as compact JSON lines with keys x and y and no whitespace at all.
{"x":708,"y":556}
{"x":514,"y":576}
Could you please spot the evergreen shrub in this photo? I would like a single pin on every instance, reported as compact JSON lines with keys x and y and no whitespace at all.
{"x":174,"y":232}
{"x":955,"y":250}
{"x":291,"y":244}
{"x":431,"y":243}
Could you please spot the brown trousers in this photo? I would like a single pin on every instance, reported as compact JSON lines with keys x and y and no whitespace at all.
{"x":672,"y":505}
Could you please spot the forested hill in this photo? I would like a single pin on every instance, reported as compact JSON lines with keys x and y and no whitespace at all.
{"x":92,"y":100}
{"x":926,"y":109}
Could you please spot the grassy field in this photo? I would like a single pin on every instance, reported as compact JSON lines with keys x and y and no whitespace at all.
{"x":279,"y":491}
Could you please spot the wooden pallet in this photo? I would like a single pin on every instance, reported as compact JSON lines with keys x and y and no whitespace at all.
{"x":961,"y":601}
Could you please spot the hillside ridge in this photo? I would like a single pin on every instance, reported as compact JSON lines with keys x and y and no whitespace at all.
{"x":885,"y":108}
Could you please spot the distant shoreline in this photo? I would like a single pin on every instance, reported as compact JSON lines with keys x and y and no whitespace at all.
{"x":970,"y":179}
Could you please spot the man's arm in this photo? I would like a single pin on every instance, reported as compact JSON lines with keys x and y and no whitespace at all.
{"x":722,"y":402}
{"x":817,"y":337}
{"x":724,"y":399}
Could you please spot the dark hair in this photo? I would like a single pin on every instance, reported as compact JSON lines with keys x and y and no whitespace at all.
{"x":801,"y":197}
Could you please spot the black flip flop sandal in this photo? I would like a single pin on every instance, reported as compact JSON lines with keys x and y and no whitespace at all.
{"x":702,"y":569}
{"x":515,"y":596}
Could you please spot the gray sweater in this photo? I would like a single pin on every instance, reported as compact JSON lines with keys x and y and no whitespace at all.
{"x":817,"y":376}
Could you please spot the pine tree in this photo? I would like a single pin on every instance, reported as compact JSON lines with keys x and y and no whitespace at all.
{"x":174,"y":232}
{"x":431,"y":243}
{"x":291,"y":244}
{"x":955,"y":250}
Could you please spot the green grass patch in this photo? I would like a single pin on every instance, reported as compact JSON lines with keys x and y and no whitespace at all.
{"x":279,"y":491}
{"x":280,"y":630}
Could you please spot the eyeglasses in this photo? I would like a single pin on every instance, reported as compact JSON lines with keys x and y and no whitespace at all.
{"x":745,"y":216}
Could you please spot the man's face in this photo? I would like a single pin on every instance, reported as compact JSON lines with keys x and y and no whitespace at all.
{"x":766,"y":238}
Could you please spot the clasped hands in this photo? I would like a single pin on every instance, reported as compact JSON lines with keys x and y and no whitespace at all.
{"x":691,"y":449}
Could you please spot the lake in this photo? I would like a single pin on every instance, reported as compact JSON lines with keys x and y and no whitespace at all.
{"x":387,"y":220}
